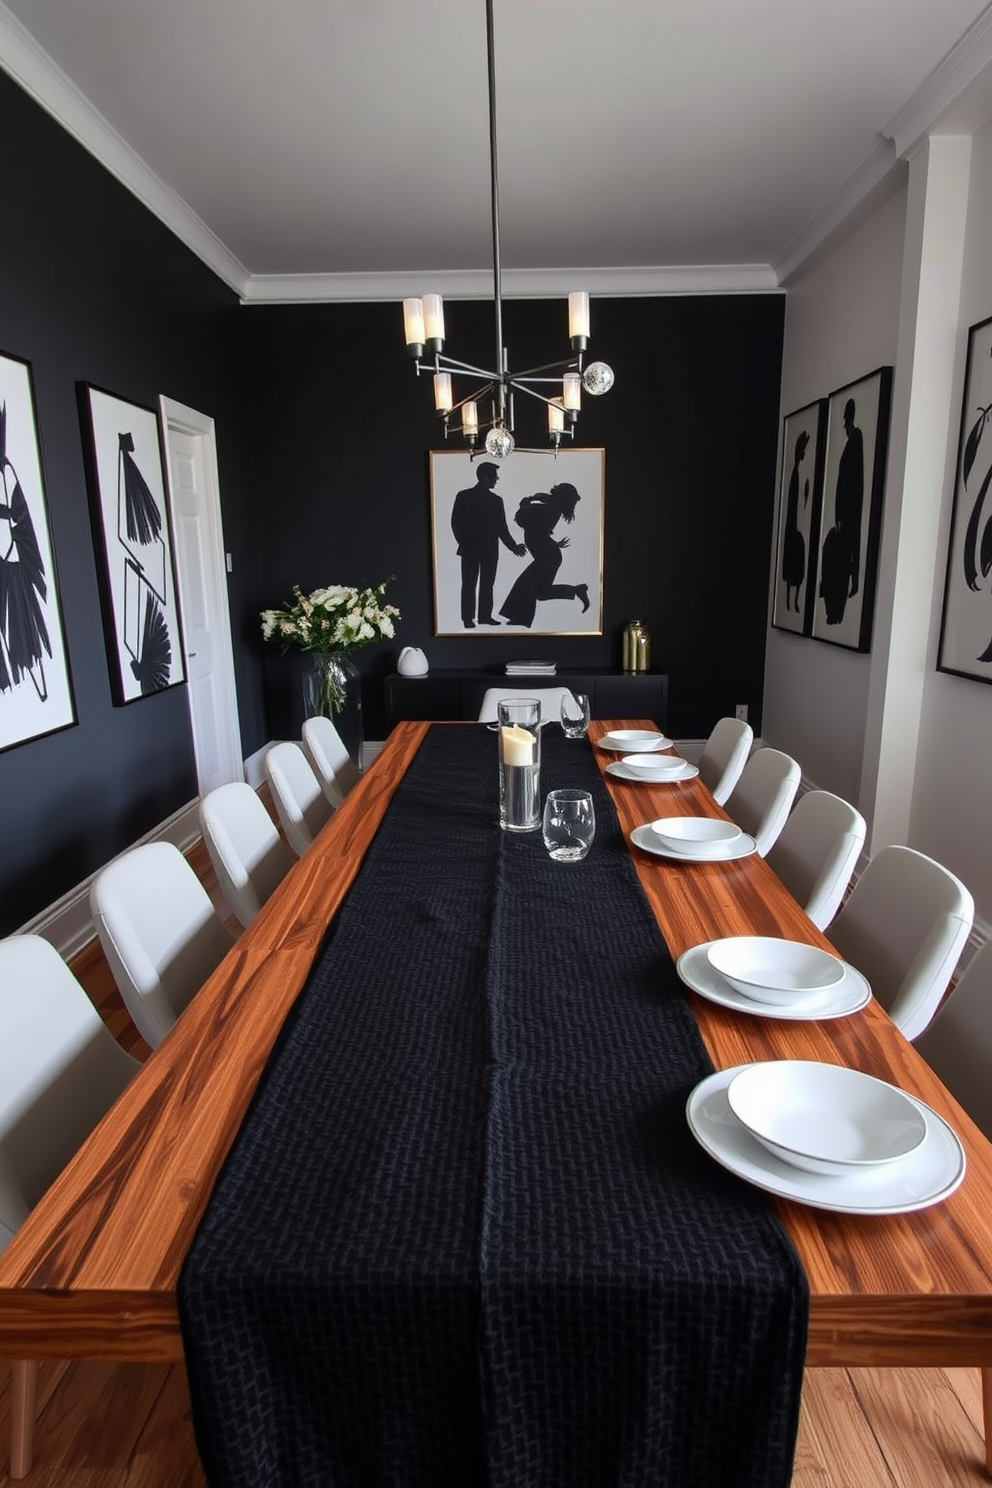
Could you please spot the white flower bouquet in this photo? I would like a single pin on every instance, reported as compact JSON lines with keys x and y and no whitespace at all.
{"x":338,"y":618}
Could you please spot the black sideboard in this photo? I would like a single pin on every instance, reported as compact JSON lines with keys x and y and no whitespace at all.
{"x":448,"y":694}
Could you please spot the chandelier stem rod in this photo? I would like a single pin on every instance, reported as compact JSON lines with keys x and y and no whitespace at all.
{"x":494,"y":187}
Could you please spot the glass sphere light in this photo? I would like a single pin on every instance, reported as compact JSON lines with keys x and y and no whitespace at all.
{"x":499,"y":443}
{"x":597,"y":378}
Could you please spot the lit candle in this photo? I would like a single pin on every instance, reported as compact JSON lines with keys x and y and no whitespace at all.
{"x":413,"y":322}
{"x":578,"y":317}
{"x":433,"y":317}
{"x":556,"y":418}
{"x":571,"y":391}
{"x":518,"y":745}
{"x":470,"y":419}
{"x":442,"y":392}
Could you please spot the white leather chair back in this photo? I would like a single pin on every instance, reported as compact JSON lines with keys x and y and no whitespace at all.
{"x":817,"y":851}
{"x":724,"y":757}
{"x":302,"y":806}
{"x":60,"y":1070}
{"x":958,"y":1043}
{"x":329,"y":759}
{"x":549,"y":698}
{"x":249,"y":857}
{"x":762,"y":798}
{"x":904,"y":926}
{"x":159,"y":932}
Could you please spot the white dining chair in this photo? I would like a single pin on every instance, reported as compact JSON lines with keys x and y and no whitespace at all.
{"x":249,"y":857}
{"x":159,"y":931}
{"x":817,"y":851}
{"x":60,"y":1071}
{"x":329,"y":758}
{"x":762,"y":798}
{"x":724,"y":756}
{"x":904,"y":925}
{"x":958,"y":1043}
{"x":549,"y":698}
{"x":300,"y":803}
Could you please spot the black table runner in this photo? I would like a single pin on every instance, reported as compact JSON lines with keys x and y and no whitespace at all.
{"x":464,"y":1238}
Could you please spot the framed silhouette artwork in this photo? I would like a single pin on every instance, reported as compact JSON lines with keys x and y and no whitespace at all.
{"x":857,"y":441}
{"x":35,"y":684}
{"x":126,"y":480}
{"x":966,"y":622}
{"x":518,"y":544}
{"x":798,"y":518}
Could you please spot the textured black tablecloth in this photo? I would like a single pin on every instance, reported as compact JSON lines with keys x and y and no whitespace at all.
{"x":464,"y":1238}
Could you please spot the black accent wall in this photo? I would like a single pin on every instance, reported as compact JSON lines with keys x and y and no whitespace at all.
{"x":689,"y":429}
{"x":323,"y":438}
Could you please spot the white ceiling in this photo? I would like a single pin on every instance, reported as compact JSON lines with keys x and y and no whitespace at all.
{"x":321,"y":147}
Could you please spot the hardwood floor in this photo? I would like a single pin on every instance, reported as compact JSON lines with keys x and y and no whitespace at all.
{"x":128,"y":1425}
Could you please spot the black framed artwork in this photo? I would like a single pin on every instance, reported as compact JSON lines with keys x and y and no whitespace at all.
{"x":857,"y":441}
{"x":126,"y":480}
{"x":798,"y":518}
{"x":966,"y":623}
{"x":35,"y":684}
{"x":518,"y":545}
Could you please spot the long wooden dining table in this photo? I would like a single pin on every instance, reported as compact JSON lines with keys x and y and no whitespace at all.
{"x":93,"y":1272}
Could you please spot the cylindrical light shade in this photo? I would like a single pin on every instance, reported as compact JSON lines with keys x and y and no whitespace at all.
{"x":578,"y":315}
{"x":556,"y":418}
{"x":571,"y":391}
{"x":470,"y":418}
{"x":442,"y":392}
{"x":413,"y":322}
{"x":433,"y":317}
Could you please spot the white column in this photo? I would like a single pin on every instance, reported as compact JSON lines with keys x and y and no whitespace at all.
{"x":923,"y":428}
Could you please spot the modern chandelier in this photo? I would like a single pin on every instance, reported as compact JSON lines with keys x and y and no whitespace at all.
{"x":423,"y":321}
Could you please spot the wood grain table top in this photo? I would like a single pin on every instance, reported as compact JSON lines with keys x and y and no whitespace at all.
{"x":93,"y":1271}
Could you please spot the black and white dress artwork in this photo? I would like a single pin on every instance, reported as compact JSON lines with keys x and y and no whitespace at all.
{"x":35,"y":686}
{"x":518,"y":544}
{"x":966,"y":625}
{"x":127,"y":493}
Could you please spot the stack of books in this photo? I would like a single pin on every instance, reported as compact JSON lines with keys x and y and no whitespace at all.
{"x":531,"y":668}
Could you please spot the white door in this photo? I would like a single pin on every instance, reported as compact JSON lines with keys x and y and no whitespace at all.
{"x":194,"y":496}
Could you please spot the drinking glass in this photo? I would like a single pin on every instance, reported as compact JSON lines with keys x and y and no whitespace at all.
{"x":575,"y":714}
{"x":569,"y":825}
{"x":519,"y":764}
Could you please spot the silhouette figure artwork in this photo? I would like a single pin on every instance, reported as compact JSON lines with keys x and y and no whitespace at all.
{"x":977,"y":551}
{"x":478,"y":522}
{"x":841,"y":555}
{"x":538,"y":516}
{"x":24,"y":637}
{"x":793,"y":542}
{"x":146,"y":633}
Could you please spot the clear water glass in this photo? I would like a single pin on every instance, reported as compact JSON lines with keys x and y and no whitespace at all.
{"x":575,"y":714}
{"x":569,"y":825}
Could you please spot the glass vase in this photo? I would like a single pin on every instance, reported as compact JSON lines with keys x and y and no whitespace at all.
{"x":332,"y":686}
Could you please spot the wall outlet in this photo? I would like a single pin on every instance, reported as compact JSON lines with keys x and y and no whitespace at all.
{"x":741,"y":712}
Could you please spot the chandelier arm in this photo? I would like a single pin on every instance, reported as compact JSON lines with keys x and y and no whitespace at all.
{"x":564,"y":364}
{"x":448,"y":364}
{"x":522,"y":387}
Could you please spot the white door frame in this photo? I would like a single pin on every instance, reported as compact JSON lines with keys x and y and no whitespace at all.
{"x":200,"y":426}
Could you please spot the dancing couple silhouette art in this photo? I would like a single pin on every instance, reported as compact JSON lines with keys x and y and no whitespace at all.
{"x":478,"y":522}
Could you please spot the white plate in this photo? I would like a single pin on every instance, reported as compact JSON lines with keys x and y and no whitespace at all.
{"x":634,"y":741}
{"x":850,"y":995}
{"x":927,"y":1176}
{"x":647,"y":838}
{"x":624,"y":772}
{"x":826,"y":1118}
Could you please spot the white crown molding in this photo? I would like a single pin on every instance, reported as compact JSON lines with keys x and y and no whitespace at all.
{"x":477,"y":284}
{"x":877,"y":175}
{"x":963,"y":65}
{"x":48,"y":85}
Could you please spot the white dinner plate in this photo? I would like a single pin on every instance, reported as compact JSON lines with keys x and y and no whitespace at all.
{"x":624,"y":772}
{"x":649,"y":743}
{"x":850,"y":995}
{"x":925,"y":1177}
{"x":647,"y":838}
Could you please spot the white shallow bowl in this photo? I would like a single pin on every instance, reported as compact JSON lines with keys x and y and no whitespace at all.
{"x":686,"y":833}
{"x":825,"y":1118}
{"x":774,"y":971}
{"x":654,"y":766}
{"x":634,"y":740}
